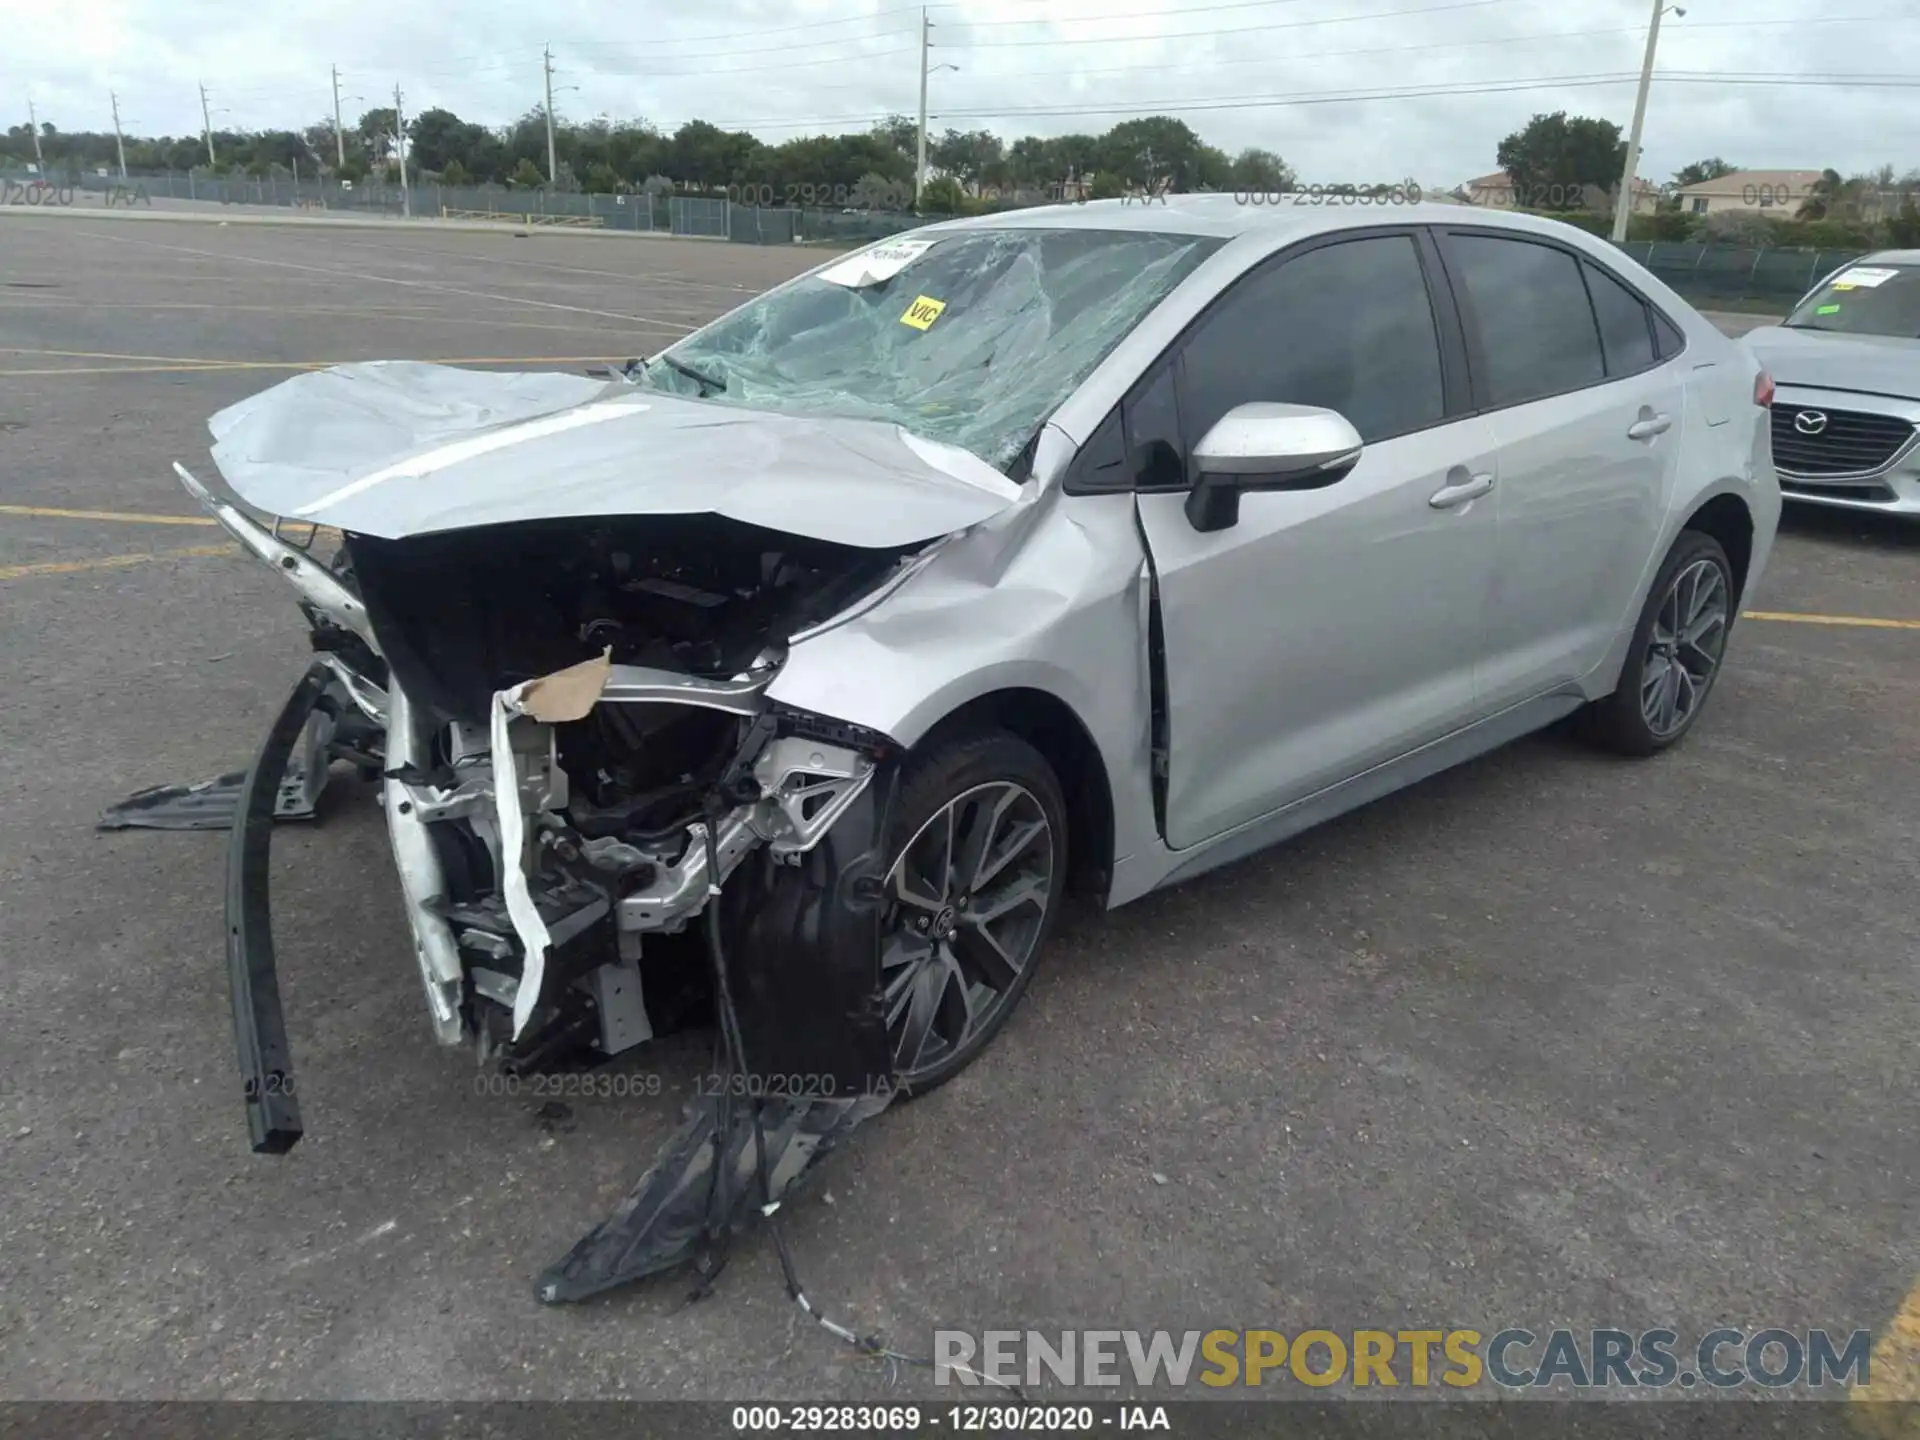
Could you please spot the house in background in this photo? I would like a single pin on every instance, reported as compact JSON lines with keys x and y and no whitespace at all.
{"x":1496,"y":191}
{"x":1758,"y":192}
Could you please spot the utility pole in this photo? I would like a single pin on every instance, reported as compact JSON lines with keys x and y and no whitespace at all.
{"x":920,"y":163}
{"x":119,"y":140}
{"x":1623,"y":203}
{"x":339,"y":134}
{"x":400,"y":149}
{"x":33,"y":124}
{"x":206,"y":122}
{"x":553,"y":165}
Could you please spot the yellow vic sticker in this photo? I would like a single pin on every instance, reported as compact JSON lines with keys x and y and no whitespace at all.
{"x":923,"y":312}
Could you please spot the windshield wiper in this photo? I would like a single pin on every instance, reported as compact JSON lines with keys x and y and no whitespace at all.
{"x":705,"y":381}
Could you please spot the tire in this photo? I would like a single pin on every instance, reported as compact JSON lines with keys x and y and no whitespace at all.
{"x":1636,"y":719}
{"x":951,"y":975}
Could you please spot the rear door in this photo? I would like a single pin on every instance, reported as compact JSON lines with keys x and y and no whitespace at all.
{"x":1328,"y":630}
{"x":1588,"y":421}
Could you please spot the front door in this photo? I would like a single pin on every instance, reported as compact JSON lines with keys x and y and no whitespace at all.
{"x":1331,"y":630}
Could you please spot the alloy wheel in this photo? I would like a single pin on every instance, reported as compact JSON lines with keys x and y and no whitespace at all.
{"x":1683,"y":652}
{"x":967,"y":897}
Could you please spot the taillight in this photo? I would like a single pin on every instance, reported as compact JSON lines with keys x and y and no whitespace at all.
{"x":1763,"y":389}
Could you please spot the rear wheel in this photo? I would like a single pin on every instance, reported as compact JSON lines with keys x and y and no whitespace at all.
{"x":1675,"y":655}
{"x":979,"y":851}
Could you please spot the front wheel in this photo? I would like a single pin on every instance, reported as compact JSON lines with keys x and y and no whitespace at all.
{"x":972,"y":893}
{"x":1675,"y":655}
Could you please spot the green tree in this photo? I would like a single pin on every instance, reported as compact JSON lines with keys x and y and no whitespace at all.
{"x":376,"y":131}
{"x":1261,"y":170}
{"x":454,"y":173}
{"x":1903,"y":230}
{"x":527,"y":175}
{"x":1701,"y":171}
{"x":1152,"y":152}
{"x":942,"y":195}
{"x":1557,"y":162}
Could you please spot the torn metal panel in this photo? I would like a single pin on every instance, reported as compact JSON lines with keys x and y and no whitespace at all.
{"x":425,"y":449}
{"x":1052,"y":598}
{"x":319,"y":588}
{"x":423,"y":881}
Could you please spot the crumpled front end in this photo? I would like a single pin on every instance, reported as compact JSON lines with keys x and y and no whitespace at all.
{"x":551,"y":823}
{"x":550,"y":630}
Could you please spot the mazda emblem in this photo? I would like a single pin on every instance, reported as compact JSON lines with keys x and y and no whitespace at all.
{"x":1810,"y":422}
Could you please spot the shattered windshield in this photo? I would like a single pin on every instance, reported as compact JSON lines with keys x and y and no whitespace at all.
{"x":1864,"y":300}
{"x":972,"y":337}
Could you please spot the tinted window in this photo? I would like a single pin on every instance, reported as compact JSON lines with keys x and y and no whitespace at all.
{"x":1153,"y":434}
{"x":1536,"y":326}
{"x":1102,"y":461}
{"x":1348,"y":326}
{"x":1672,"y":342}
{"x":1624,"y":331}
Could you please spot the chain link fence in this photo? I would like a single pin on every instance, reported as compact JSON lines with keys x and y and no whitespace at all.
{"x":695,"y":215}
{"x":1705,"y":274}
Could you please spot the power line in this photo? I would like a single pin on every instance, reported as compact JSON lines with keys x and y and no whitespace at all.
{"x":709,"y":73}
{"x":1435,"y":91}
{"x":1292,"y":56}
{"x":1233,"y":29}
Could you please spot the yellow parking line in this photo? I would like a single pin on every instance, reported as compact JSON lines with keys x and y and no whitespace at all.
{"x":111,"y":355}
{"x":130,"y":517}
{"x":110,"y":562}
{"x":229,"y":365}
{"x":1893,"y":1375}
{"x":1866,"y":621}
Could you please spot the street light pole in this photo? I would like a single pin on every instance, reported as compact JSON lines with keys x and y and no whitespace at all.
{"x":33,"y":124}
{"x":206,"y":121}
{"x":119,"y":140}
{"x":920,"y":163}
{"x":400,"y":149}
{"x":1623,"y":202}
{"x":553,"y":163}
{"x":339,"y":135}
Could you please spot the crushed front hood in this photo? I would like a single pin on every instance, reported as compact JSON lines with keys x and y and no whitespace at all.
{"x":1821,"y":360}
{"x":401,"y":448}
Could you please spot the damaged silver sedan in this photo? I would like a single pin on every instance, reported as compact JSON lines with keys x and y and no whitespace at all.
{"x":794,"y":676}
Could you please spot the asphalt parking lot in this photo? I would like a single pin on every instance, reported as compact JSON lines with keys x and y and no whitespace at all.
{"x":1549,"y":1040}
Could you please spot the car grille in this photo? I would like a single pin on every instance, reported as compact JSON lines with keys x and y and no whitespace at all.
{"x":1853,"y":442}
{"x":1872,"y":494}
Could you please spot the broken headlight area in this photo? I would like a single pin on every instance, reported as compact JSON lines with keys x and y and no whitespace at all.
{"x":600,"y":824}
{"x":580,"y":757}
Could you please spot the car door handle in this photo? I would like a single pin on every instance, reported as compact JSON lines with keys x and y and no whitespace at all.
{"x":1461,"y":487}
{"x":1647,"y":428}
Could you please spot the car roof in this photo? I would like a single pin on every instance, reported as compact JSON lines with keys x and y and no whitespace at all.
{"x":1890,"y":257}
{"x":1230,"y":216}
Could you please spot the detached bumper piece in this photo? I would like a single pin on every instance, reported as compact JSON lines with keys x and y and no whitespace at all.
{"x":795,"y":950}
{"x":690,"y":1199}
{"x":259,"y":1024}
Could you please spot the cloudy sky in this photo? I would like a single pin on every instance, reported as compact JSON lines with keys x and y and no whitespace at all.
{"x":1768,"y":84}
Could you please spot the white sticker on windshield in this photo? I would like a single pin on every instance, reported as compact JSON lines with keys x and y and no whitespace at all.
{"x":882,"y":262}
{"x":1867,"y":275}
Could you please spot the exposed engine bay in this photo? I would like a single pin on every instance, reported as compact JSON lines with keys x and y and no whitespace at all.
{"x":640,"y":772}
{"x":603,"y":830}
